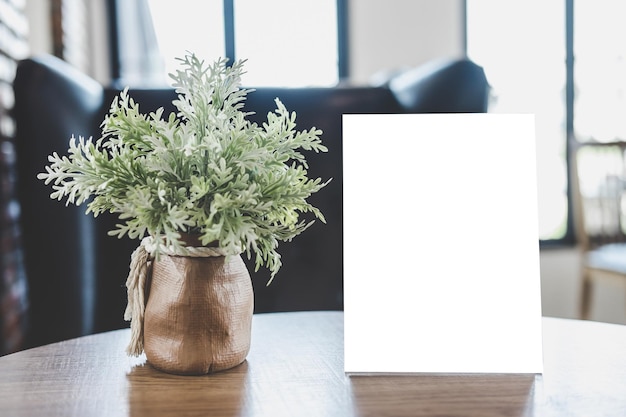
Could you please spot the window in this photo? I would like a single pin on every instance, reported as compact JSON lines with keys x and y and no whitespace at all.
{"x":600,"y":71}
{"x":522,"y":47}
{"x":566,"y":62}
{"x":286,"y":43}
{"x":182,"y":28}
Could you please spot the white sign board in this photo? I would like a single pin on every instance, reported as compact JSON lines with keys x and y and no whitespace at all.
{"x":441,"y":249}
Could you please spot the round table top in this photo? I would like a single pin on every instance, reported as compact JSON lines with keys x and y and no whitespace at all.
{"x":295,"y":368}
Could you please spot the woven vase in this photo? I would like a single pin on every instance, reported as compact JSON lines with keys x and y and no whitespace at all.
{"x":198,"y":315}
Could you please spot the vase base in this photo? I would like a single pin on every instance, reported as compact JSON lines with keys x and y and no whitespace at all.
{"x":193,"y":372}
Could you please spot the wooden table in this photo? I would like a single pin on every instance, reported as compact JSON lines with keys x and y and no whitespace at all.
{"x":295,"y":368}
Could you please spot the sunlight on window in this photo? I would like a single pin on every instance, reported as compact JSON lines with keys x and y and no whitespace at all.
{"x":600,"y":70}
{"x":287,"y":43}
{"x":187,"y":27}
{"x":521,"y":46}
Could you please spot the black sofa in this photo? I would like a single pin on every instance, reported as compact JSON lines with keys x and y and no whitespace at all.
{"x":76,"y":272}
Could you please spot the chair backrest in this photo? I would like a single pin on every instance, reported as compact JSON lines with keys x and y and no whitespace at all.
{"x":53,"y":101}
{"x":442,"y":86}
{"x":599,"y":193}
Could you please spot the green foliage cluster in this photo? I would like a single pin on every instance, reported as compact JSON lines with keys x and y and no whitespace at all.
{"x":206,"y":170}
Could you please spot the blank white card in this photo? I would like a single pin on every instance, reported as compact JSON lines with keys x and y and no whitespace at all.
{"x":441,"y":250}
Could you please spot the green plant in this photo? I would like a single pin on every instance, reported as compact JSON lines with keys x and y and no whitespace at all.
{"x":206,"y":170}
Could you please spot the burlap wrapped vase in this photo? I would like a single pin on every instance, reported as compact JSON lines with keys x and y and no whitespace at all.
{"x":191,"y":315}
{"x":199,"y":314}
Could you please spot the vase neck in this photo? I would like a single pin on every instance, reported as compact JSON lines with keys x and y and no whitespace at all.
{"x":193,"y":240}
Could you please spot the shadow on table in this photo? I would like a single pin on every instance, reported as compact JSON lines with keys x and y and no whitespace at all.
{"x":152,"y":392}
{"x":481,"y":395}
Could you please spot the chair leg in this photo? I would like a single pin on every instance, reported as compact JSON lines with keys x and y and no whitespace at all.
{"x":586,"y":294}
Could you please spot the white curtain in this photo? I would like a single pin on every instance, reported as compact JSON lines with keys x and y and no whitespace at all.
{"x":141,"y":62}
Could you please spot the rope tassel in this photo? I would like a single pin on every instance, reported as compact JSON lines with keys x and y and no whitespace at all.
{"x":136,"y":284}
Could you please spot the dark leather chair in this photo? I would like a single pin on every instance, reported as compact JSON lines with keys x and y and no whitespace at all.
{"x":77,"y":272}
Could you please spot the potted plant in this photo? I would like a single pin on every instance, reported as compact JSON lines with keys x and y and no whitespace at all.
{"x":199,"y":188}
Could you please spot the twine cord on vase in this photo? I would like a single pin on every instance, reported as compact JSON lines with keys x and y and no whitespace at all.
{"x":136,"y":282}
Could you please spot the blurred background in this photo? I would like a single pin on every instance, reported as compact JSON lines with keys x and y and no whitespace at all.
{"x":563,"y":60}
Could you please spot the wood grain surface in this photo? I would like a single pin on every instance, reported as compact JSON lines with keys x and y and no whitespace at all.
{"x":295,"y":368}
